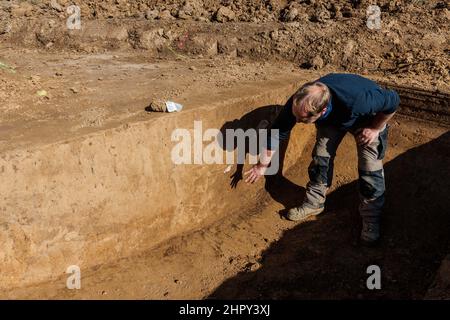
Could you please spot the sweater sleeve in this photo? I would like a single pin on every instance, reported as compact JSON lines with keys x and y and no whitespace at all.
{"x":375,"y":101}
{"x":392,"y":101}
{"x":284,"y":123}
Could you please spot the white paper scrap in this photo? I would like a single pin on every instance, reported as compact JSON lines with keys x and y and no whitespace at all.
{"x":173,"y":106}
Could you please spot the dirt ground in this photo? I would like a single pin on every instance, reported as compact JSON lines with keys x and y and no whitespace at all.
{"x":413,"y":39}
{"x":88,"y":92}
{"x":57,"y":83}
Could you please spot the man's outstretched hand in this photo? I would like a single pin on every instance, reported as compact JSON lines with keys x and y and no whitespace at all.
{"x":365,"y":136}
{"x":256,"y":172}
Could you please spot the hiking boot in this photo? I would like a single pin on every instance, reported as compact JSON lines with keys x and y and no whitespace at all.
{"x":370,"y":233}
{"x":303,"y":212}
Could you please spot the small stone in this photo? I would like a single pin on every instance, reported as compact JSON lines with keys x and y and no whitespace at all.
{"x":409,"y":57}
{"x":168,"y":35}
{"x":56,"y":6}
{"x":182,"y":15}
{"x":157,"y":105}
{"x":225,"y":14}
{"x":165,"y":15}
{"x":74,"y":90}
{"x":42,"y":93}
{"x":390,"y":54}
{"x":192,"y":68}
{"x":211,"y":48}
{"x":252,"y":266}
{"x":321,"y":16}
{"x":5,"y":27}
{"x":274,"y":35}
{"x":193,"y":8}
{"x":290,"y":14}
{"x":317,"y":63}
{"x":151,"y":14}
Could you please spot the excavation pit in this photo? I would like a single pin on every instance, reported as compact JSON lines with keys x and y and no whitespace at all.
{"x":105,"y":196}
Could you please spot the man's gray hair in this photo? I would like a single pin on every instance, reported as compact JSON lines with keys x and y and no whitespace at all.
{"x":316,"y":96}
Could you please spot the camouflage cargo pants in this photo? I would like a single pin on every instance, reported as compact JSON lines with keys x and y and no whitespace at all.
{"x":370,"y":168}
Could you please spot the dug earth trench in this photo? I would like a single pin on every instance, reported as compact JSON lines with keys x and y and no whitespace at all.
{"x":89,"y":174}
{"x":89,"y":181}
{"x":87,"y":171}
{"x":253,"y":253}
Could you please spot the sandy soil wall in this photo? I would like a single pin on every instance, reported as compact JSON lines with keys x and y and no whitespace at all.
{"x":116,"y":192}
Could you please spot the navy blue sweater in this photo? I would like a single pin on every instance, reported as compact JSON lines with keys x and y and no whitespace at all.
{"x":354,"y":101}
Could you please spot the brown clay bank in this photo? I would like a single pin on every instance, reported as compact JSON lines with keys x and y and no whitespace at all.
{"x":92,"y":198}
{"x":246,"y":251}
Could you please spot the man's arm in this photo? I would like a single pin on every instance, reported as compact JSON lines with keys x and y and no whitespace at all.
{"x":284,"y":123}
{"x":365,"y":136}
{"x":386,"y":104}
{"x":259,"y":169}
{"x":381,"y":119}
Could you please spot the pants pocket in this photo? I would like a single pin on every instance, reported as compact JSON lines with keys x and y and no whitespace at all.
{"x":382,"y":146}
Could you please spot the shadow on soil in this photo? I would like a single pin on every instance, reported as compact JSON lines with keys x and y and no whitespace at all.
{"x":321,"y":259}
{"x":259,"y":118}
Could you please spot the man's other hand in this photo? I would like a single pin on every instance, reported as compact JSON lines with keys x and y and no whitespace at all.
{"x":255,"y":173}
{"x":365,"y":136}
